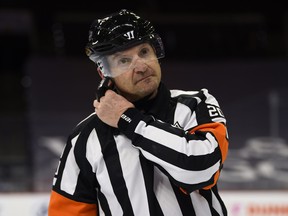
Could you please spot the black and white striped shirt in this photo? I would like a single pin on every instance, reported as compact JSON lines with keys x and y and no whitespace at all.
{"x":163,"y":160}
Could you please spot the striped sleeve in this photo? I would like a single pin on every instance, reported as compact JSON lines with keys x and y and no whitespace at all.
{"x":192,"y":158}
{"x":74,"y":183}
{"x":60,"y":205}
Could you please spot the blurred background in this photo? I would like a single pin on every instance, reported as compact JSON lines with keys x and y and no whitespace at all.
{"x":238,"y":52}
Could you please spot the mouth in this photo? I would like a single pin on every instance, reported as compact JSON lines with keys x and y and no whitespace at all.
{"x":143,"y":79}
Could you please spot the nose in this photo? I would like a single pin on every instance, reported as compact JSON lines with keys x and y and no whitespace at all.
{"x":140,"y":65}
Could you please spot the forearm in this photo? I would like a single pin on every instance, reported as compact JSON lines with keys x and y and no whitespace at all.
{"x":190,"y":158}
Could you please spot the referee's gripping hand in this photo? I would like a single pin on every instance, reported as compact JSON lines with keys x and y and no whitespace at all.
{"x":110,"y":107}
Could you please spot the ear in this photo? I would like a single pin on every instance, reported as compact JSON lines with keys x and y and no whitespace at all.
{"x":100,"y":73}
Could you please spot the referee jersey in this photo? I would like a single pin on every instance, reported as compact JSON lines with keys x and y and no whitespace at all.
{"x":164,"y":158}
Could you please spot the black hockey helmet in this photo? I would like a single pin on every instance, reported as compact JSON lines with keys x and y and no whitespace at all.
{"x":120,"y":31}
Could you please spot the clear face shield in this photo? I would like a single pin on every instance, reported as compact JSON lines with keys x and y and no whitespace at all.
{"x":124,"y":61}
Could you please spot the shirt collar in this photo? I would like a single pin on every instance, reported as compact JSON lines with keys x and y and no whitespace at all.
{"x":157,"y":106}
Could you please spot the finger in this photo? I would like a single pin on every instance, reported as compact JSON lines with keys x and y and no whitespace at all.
{"x":95,"y":103}
{"x":109,"y":92}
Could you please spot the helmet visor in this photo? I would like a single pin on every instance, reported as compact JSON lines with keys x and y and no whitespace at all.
{"x":120,"y":62}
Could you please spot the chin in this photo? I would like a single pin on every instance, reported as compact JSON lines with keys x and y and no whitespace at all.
{"x":151,"y":89}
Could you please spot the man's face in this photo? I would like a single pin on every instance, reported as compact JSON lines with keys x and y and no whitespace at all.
{"x":136,"y":71}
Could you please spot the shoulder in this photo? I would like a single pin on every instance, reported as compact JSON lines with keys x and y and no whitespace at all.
{"x":84,"y":128}
{"x":192,"y":94}
{"x":182,"y":93}
{"x":194,"y":98}
{"x":202,"y":95}
{"x":85,"y":125}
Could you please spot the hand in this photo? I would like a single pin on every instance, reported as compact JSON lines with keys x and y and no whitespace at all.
{"x":111,"y":107}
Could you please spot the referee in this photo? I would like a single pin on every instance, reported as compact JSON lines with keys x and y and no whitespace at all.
{"x":146,"y":150}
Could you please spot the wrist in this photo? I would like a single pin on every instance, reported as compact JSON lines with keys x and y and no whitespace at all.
{"x":129,"y":120}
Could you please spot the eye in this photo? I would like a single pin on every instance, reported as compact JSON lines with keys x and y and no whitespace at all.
{"x":145,"y":52}
{"x":123,"y":61}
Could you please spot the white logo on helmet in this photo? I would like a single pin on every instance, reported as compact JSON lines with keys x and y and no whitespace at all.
{"x":129,"y":35}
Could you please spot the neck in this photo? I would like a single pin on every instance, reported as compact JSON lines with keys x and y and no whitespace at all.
{"x":146,"y":101}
